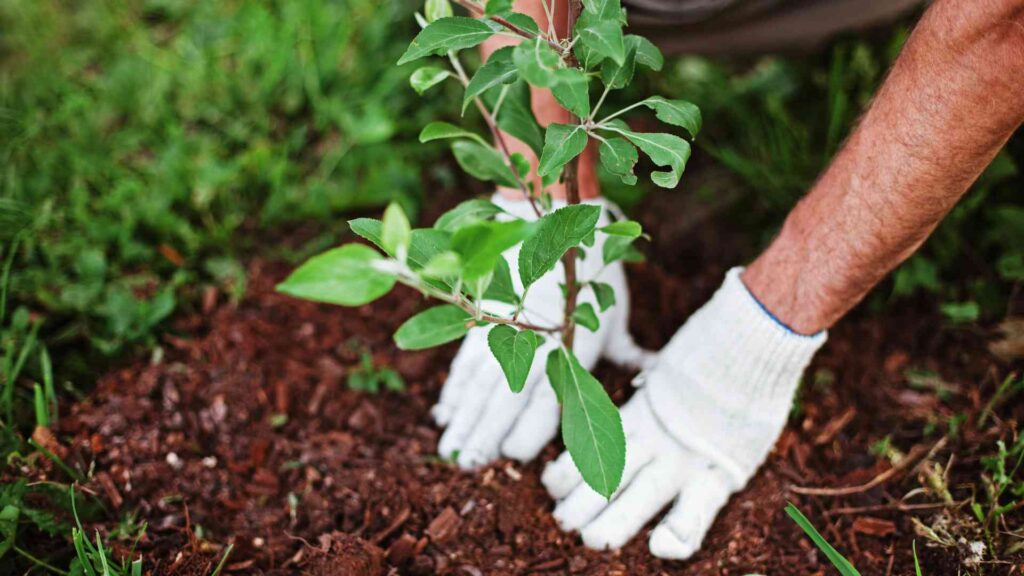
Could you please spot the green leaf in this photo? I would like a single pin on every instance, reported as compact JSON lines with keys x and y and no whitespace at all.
{"x":445,"y":34}
{"x":570,"y":89}
{"x":556,"y":232}
{"x":497,"y":7}
{"x":395,"y":231}
{"x":664,"y":150}
{"x":961,"y":312}
{"x":628,"y":228}
{"x":424,"y":243}
{"x":676,"y":112}
{"x":516,"y":116}
{"x":615,"y":75}
{"x":604,"y":293}
{"x":585,"y":316}
{"x":591,"y":426}
{"x":433,"y":327}
{"x":436,"y":9}
{"x":537,"y":62}
{"x":468,"y":212}
{"x":562,"y":143}
{"x":619,"y":157}
{"x":619,"y":248}
{"x":514,"y":350}
{"x":426,"y":77}
{"x":605,"y":9}
{"x":344,"y":275}
{"x":841,"y":563}
{"x":483,"y":162}
{"x":444,"y":265}
{"x":501,"y":288}
{"x":444,"y":130}
{"x":480,"y":245}
{"x":647,"y":54}
{"x":499,"y":69}
{"x":523,"y":22}
{"x":603,"y":39}
{"x":8,"y":527}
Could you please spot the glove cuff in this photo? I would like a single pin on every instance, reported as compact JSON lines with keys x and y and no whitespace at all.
{"x":731,"y":374}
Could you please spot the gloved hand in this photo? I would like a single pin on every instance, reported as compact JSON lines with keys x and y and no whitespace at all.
{"x":484,"y":418}
{"x":704,"y":420}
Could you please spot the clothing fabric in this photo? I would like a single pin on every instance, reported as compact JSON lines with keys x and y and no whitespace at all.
{"x":755,"y":26}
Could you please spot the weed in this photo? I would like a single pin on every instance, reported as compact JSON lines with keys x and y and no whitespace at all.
{"x":838,"y":560}
{"x":369,"y":378}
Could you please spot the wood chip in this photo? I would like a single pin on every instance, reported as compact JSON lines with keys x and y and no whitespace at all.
{"x":402,"y":549}
{"x":835,"y":427}
{"x":444,"y":526}
{"x":108,"y":486}
{"x":873,"y":526}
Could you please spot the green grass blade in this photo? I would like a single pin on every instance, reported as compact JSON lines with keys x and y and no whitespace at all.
{"x":841,"y":563}
{"x":5,"y":277}
{"x":49,"y":391}
{"x":81,"y":551}
{"x":223,"y":560}
{"x":42,"y":415}
{"x":102,"y":553}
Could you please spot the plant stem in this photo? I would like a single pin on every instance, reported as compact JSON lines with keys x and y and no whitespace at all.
{"x":572,"y":196}
{"x":496,"y":134}
{"x":408,"y":278}
{"x":479,"y":11}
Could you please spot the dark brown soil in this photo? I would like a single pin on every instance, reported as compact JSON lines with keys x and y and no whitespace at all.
{"x":348,"y":483}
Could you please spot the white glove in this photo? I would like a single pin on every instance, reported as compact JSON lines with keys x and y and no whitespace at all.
{"x":708,"y":414}
{"x":485,"y":419}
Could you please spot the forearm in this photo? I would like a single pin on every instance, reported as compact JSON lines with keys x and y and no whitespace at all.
{"x":950,"y":102}
{"x":545,"y":107}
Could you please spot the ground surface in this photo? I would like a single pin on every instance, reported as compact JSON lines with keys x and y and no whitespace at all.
{"x":349,"y":484}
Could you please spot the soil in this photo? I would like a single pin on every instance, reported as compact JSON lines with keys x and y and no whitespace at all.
{"x":241,"y":430}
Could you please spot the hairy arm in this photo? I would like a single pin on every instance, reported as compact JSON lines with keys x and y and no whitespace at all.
{"x":952,"y":99}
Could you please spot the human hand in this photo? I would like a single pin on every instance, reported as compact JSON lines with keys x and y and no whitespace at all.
{"x":485,"y":419}
{"x":706,"y":417}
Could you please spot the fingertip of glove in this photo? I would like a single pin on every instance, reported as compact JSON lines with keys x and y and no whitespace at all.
{"x":664,"y":543}
{"x":442,"y":414}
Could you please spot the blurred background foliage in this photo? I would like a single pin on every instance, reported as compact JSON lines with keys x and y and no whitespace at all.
{"x":149,"y":147}
{"x":142,"y":141}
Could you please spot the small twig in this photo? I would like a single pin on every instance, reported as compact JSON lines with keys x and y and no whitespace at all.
{"x":896,"y":506}
{"x":478,"y":11}
{"x":906,"y":463}
{"x":496,"y":134}
{"x":406,"y":277}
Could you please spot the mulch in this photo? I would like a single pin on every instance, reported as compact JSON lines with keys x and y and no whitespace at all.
{"x":242,"y":431}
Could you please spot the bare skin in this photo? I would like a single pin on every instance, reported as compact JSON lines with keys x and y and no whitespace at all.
{"x":951,"y":101}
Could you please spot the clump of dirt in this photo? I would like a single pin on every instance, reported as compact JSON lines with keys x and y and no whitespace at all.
{"x":243,"y":430}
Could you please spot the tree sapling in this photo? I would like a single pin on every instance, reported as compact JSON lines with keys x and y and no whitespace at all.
{"x":458,"y":261}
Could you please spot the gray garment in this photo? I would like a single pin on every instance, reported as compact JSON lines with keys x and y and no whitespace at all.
{"x":754,"y":26}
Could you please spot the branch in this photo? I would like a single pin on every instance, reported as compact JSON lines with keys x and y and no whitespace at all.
{"x":479,"y":11}
{"x":495,"y":133}
{"x":407,"y":277}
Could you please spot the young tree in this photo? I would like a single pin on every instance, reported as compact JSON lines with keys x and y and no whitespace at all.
{"x":458,"y":261}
